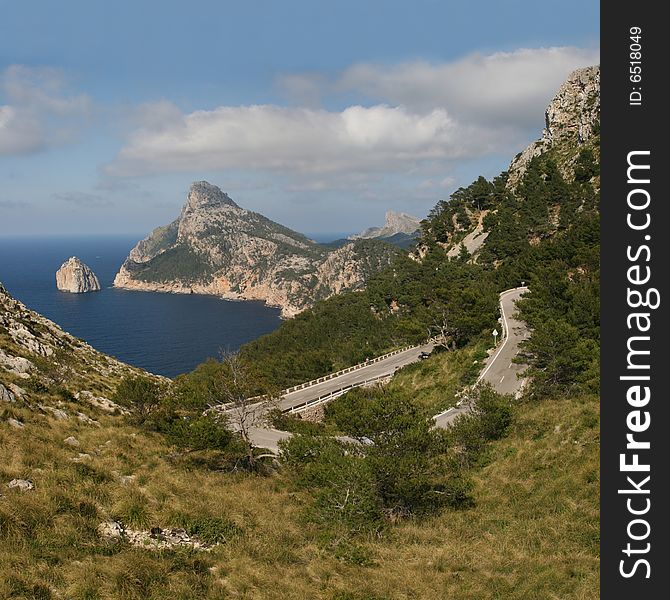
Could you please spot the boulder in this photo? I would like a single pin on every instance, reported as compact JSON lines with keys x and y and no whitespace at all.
{"x":6,"y":395}
{"x":21,"y":484}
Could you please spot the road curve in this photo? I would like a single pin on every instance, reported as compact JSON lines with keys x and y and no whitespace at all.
{"x":500,"y":370}
{"x":377,"y":370}
{"x":265,"y":437}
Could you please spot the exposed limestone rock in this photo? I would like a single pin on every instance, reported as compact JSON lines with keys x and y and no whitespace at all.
{"x":6,"y":395}
{"x":76,"y":277}
{"x":153,"y":539}
{"x":24,"y":337}
{"x":15,"y":424}
{"x":56,"y":413}
{"x":71,"y":441}
{"x":87,"y":420}
{"x":99,"y":402}
{"x":217,"y":247}
{"x":394,"y":223}
{"x":81,"y":457}
{"x":111,"y":530}
{"x":16,"y":365}
{"x":18,"y":391}
{"x":571,"y":119}
{"x":21,"y":484}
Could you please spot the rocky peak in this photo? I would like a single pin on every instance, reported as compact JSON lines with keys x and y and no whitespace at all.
{"x":218,"y":247}
{"x":203,"y":195}
{"x":76,"y":277}
{"x":401,"y":222}
{"x":394,"y":223}
{"x":571,"y":121}
{"x":575,"y":107}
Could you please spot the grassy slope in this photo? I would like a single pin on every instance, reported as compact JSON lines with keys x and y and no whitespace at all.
{"x":532,"y":534}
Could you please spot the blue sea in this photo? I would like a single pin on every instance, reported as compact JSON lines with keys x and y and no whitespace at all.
{"x":166,"y":334}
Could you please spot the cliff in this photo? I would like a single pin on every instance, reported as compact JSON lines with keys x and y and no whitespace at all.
{"x":76,"y":277}
{"x":572,"y":123}
{"x":217,"y":247}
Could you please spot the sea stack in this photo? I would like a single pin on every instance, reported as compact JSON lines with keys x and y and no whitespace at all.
{"x":76,"y":277}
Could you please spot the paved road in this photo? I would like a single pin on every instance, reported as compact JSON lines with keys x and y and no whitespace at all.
{"x":268,"y":438}
{"x":500,"y":370}
{"x":373,"y":371}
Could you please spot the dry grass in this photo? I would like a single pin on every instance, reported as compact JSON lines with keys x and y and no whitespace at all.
{"x":532,"y":534}
{"x":434,"y":383}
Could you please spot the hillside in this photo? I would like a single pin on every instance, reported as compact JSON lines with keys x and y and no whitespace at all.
{"x":531,"y":531}
{"x":485,"y":238}
{"x":217,"y":247}
{"x":149,"y":498}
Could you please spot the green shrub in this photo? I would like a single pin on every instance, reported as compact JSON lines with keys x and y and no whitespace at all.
{"x":488,"y":419}
{"x":140,"y":395}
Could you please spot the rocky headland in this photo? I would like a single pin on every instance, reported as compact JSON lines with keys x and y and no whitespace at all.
{"x":217,"y":247}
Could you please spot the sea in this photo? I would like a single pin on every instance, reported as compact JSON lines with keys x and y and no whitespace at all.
{"x":166,"y":334}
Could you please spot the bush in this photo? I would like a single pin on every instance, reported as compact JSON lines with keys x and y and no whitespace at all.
{"x":394,"y":469}
{"x":488,"y":419}
{"x":287,"y":422}
{"x":139,"y":394}
{"x":198,"y":433}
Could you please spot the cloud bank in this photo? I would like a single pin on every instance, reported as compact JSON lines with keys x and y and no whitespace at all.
{"x":418,"y":113}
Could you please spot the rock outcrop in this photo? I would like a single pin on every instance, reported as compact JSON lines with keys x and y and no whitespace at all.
{"x":34,"y":348}
{"x":76,"y":277}
{"x":394,"y":224}
{"x":217,"y":247}
{"x":572,"y":120}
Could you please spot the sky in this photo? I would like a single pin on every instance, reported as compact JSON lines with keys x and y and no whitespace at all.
{"x":320,"y":115}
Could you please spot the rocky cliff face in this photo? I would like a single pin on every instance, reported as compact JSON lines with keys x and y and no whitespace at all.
{"x":76,"y":277}
{"x":217,"y":247}
{"x":572,"y":121}
{"x":34,"y":349}
{"x":394,"y":224}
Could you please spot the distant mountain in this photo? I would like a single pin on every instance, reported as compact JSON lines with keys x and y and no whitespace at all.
{"x":394,"y":224}
{"x":217,"y":247}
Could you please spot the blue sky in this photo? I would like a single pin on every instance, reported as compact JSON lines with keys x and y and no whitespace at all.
{"x":320,"y":115}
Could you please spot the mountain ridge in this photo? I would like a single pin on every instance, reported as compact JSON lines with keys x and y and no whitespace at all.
{"x":217,"y":247}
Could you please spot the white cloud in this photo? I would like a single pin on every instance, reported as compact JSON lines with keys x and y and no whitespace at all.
{"x":421,"y":117}
{"x":297,"y":140}
{"x":442,"y":184}
{"x":20,"y":131}
{"x":39,"y":111}
{"x":504,"y":87}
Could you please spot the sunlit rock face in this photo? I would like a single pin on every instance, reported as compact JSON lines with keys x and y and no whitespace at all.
{"x":76,"y":277}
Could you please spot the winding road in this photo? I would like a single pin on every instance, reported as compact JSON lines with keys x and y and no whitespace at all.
{"x":500,"y":371}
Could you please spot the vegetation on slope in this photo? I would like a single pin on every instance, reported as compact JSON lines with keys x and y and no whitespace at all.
{"x":545,"y":233}
{"x":530,"y":530}
{"x":503,"y":505}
